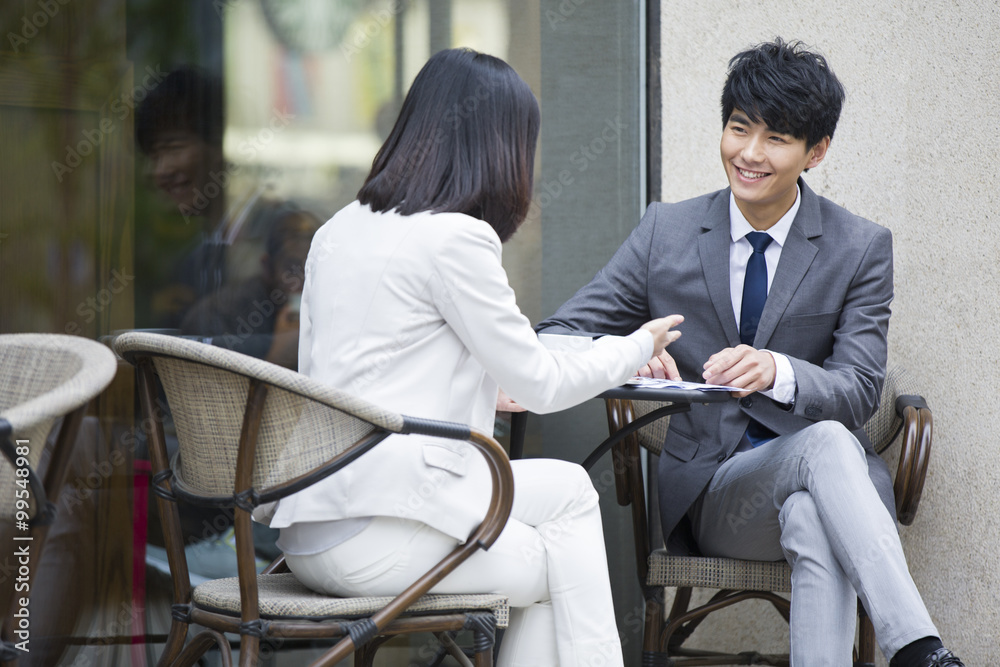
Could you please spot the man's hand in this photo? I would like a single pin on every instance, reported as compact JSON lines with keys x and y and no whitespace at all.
{"x":661,"y":366}
{"x":506,"y":404}
{"x":741,"y":366}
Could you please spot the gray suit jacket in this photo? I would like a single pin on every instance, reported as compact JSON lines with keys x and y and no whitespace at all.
{"x":827,"y":311}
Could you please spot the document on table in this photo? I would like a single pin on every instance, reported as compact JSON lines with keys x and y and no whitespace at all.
{"x":657,"y":383}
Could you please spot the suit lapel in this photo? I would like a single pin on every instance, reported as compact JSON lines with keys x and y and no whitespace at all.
{"x":796,"y":257}
{"x":713,"y":247}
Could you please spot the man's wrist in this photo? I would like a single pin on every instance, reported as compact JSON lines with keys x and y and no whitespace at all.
{"x":783,"y":387}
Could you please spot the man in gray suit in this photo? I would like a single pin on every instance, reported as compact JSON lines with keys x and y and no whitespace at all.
{"x":786,"y":296}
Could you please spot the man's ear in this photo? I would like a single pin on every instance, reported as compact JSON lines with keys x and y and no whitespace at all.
{"x":818,"y":152}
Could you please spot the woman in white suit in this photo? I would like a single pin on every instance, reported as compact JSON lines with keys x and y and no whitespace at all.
{"x":406,"y":304}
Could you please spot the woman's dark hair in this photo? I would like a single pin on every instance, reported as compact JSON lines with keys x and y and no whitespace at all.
{"x":791,"y":88}
{"x":464,"y":142}
{"x":187,"y":99}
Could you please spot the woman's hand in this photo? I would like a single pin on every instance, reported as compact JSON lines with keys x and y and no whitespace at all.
{"x":662,"y":367}
{"x":662,"y":335}
{"x":506,"y":404}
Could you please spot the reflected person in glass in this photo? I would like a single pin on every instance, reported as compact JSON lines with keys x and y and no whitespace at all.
{"x":179,"y":128}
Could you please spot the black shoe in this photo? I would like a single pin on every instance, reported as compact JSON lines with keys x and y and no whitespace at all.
{"x":942,"y":658}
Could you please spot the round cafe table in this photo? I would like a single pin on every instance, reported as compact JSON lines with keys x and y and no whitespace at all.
{"x":677,"y":400}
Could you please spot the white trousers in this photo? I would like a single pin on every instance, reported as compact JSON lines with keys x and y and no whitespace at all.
{"x":807,"y":497}
{"x":549,"y":560}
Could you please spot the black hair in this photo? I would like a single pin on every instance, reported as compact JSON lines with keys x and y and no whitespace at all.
{"x":289,"y":223}
{"x":792,"y":89}
{"x":188,"y":99}
{"x":464,"y":142}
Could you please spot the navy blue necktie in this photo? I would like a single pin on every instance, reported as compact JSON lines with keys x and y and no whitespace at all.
{"x":754,"y":296}
{"x":754,"y":287}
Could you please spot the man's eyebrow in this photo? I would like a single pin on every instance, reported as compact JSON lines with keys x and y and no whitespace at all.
{"x":743,"y":119}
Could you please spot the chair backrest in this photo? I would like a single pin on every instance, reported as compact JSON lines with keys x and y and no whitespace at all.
{"x":208,"y":392}
{"x":44,"y":377}
{"x":882,"y":428}
{"x":249,"y":433}
{"x":884,"y":425}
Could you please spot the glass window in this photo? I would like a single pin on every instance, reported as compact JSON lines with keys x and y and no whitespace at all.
{"x":166,"y":163}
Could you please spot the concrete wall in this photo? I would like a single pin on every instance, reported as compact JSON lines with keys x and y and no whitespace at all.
{"x":918,"y":151}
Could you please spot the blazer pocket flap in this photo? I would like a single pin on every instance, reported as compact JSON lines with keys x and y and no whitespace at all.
{"x":445,"y":458}
{"x":681,"y":446}
{"x":814,"y":319}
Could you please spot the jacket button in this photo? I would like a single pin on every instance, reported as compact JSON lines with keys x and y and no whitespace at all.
{"x":722,"y":457}
{"x":813,"y":411}
{"x":746,"y":402}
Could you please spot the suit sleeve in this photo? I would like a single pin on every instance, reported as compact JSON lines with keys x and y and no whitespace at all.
{"x":615,"y":301}
{"x":472,"y":293}
{"x":847,"y":386}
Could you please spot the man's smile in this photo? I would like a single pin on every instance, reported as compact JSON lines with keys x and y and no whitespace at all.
{"x":751,"y":175}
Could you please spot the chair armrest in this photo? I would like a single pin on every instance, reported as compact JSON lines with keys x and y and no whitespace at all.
{"x":482,"y":538}
{"x":277,"y":566}
{"x":914,"y":456}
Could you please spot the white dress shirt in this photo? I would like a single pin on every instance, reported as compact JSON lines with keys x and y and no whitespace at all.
{"x":740,"y":250}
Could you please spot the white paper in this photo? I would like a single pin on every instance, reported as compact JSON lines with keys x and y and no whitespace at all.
{"x":657,"y":383}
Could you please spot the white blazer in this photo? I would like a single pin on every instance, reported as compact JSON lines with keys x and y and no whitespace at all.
{"x":415,"y":314}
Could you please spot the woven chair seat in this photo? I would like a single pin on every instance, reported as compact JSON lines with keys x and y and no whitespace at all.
{"x":283,"y":596}
{"x":720,"y":573}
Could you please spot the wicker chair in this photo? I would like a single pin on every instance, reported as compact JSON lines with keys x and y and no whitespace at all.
{"x":737,"y":580}
{"x":43,"y":377}
{"x":251,"y":433}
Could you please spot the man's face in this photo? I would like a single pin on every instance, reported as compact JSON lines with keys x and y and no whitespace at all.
{"x":181,"y":162}
{"x":763,"y":165}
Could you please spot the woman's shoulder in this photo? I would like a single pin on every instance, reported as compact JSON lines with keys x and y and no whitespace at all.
{"x":425,"y":230}
{"x":457,"y":227}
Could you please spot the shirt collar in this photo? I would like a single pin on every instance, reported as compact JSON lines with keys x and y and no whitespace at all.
{"x":739,"y":227}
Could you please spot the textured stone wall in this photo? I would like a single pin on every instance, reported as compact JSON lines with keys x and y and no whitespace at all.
{"x":918,"y":151}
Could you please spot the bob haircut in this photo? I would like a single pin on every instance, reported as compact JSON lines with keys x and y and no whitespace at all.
{"x":187,"y":99}
{"x":791,"y":88}
{"x":464,"y":142}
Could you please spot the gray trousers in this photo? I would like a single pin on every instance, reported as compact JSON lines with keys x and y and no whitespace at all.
{"x":806,"y":497}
